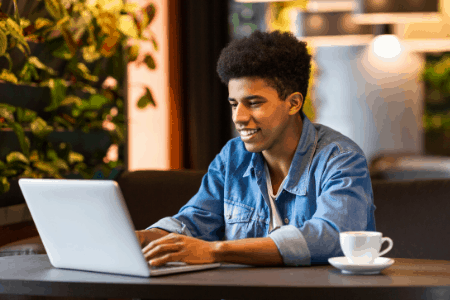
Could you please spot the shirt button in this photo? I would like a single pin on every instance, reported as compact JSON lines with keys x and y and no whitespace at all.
{"x":286,"y":220}
{"x":229,"y":217}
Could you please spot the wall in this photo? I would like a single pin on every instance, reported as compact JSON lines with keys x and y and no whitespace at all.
{"x":427,"y":30}
{"x":149,"y":130}
{"x":379,"y":106}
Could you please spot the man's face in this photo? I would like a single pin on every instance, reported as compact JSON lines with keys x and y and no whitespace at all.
{"x":260,"y":116}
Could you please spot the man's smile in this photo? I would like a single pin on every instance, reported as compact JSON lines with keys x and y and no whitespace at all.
{"x":247,"y":134}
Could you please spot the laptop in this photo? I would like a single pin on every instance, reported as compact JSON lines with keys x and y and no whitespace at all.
{"x":85,"y":225}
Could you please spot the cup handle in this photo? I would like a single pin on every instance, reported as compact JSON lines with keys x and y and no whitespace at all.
{"x":391,"y":243}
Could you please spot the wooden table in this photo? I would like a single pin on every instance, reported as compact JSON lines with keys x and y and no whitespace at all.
{"x":406,"y":279}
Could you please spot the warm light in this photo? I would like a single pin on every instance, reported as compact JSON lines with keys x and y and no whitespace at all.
{"x":386,"y":54}
{"x":427,"y":45}
{"x":255,"y":1}
{"x":330,"y":6}
{"x":149,"y":129}
{"x":387,"y":46}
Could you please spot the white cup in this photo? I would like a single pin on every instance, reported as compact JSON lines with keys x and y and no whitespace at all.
{"x":363,"y":247}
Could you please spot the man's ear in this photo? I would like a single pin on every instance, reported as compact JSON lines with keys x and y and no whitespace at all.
{"x":296,"y":102}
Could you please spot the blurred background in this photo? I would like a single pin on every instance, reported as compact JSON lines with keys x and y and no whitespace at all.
{"x":92,"y":88}
{"x":380,"y":76}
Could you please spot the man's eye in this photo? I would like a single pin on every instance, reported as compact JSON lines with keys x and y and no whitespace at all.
{"x":233,"y":104}
{"x":253,"y":104}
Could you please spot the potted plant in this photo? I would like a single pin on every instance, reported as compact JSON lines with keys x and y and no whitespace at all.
{"x":69,"y":58}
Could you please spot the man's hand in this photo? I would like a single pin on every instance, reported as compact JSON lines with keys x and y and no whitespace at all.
{"x":177,"y":247}
{"x":160,"y":247}
{"x":147,"y":236}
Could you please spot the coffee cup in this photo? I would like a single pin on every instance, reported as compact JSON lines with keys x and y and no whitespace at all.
{"x":363,"y":247}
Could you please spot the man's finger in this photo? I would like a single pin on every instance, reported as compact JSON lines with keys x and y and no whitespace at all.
{"x":169,"y":257}
{"x":168,"y":239}
{"x":162,"y":249}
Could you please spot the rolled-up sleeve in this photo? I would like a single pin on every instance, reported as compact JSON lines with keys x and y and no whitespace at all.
{"x":171,"y":225}
{"x":292,"y":246}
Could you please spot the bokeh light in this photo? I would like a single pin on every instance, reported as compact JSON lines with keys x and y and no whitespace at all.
{"x":387,"y":46}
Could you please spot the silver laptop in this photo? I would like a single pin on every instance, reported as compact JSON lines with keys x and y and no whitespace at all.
{"x":85,"y":225}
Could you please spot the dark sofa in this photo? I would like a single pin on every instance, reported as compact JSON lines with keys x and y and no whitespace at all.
{"x":413,"y":213}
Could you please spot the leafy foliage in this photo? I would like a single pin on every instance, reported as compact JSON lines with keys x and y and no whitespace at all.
{"x":75,"y":48}
{"x":436,"y":77}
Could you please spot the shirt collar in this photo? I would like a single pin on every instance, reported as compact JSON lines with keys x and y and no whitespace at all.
{"x":256,"y":160}
{"x":298,"y":176}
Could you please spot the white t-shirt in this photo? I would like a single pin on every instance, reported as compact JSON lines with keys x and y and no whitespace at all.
{"x":275,"y":219}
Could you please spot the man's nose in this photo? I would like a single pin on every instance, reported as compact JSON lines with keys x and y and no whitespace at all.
{"x":241,"y":114}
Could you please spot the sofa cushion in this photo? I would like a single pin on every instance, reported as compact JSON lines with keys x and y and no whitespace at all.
{"x":14,"y":232}
{"x":415,"y":215}
{"x":152,"y":195}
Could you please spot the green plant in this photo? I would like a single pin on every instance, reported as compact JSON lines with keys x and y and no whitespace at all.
{"x":75,"y":48}
{"x":436,"y":118}
{"x":436,"y":77}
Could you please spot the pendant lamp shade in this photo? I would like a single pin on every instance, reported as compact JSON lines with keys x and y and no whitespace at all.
{"x":260,"y":1}
{"x":396,"y":11}
{"x":331,"y":24}
{"x":330,"y":28}
{"x":330,"y":5}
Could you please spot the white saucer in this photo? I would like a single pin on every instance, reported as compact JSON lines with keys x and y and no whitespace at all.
{"x":347,"y":267}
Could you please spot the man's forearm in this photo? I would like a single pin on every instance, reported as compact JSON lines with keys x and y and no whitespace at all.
{"x":252,"y":251}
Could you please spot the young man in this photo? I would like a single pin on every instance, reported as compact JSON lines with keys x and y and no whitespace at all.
{"x":282,"y":191}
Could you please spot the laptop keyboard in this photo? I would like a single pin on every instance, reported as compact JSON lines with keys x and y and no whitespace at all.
{"x":169,"y":265}
{"x":179,"y":267}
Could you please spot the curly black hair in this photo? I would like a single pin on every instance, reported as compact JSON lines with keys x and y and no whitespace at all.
{"x":277,"y":57}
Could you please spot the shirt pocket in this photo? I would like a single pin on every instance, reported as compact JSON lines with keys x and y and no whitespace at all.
{"x":235,"y":212}
{"x":237,"y":218}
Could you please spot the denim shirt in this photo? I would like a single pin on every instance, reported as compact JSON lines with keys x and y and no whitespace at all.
{"x":327,"y":190}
